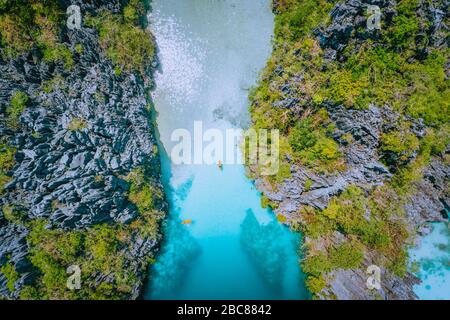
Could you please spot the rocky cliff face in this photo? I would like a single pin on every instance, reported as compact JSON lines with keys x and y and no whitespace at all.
{"x":310,"y":198}
{"x":83,"y":134}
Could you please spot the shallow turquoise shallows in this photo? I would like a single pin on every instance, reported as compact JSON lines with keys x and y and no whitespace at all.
{"x":431,"y":259}
{"x":211,"y":52}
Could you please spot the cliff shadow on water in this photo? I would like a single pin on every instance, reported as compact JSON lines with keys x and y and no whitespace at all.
{"x":178,"y":248}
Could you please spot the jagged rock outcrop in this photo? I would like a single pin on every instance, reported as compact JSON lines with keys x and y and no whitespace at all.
{"x":358,"y":133}
{"x":84,"y":129}
{"x":78,"y":167}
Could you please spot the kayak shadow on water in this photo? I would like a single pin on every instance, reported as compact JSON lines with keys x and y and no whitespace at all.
{"x":266,"y":252}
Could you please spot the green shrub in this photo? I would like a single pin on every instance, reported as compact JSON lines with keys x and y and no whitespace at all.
{"x":302,"y":135}
{"x":30,"y":293}
{"x":53,"y":273}
{"x":6,"y":157}
{"x":315,"y":284}
{"x":308,"y":184}
{"x":54,"y":52}
{"x":11,"y":275}
{"x":315,"y":224}
{"x":101,"y":242}
{"x":428,"y":96}
{"x":13,"y":40}
{"x":17,"y":105}
{"x":376,"y":235}
{"x":128,"y":46}
{"x":25,"y":23}
{"x":267,"y":203}
{"x":435,"y":141}
{"x":297,"y":18}
{"x":348,"y":209}
{"x":281,"y":218}
{"x":13,"y":215}
{"x":284,"y":172}
{"x":145,"y":197}
{"x":311,"y":145}
{"x":140,"y":192}
{"x":79,"y":48}
{"x":344,"y":89}
{"x":130,"y":14}
{"x":405,"y":25}
{"x":57,"y":82}
{"x":347,"y":256}
{"x":399,"y":263}
{"x":117,"y":71}
{"x":401,"y":143}
{"x":317,"y":264}
{"x":6,"y":164}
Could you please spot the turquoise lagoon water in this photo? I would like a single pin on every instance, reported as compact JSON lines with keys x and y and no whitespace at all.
{"x":211,"y":52}
{"x":431,"y":259}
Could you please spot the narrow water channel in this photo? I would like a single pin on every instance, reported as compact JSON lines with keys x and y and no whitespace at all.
{"x":211,"y":52}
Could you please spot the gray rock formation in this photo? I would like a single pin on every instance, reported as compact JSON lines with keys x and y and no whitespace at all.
{"x":364,"y":166}
{"x":77,"y":141}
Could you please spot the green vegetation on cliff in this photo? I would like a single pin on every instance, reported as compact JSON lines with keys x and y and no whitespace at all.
{"x":17,"y":105}
{"x":11,"y":275}
{"x":106,"y":253}
{"x":374,"y":72}
{"x":144,"y":196}
{"x":25,"y":24}
{"x":97,"y":251}
{"x":6,"y":164}
{"x":299,"y":85}
{"x":311,"y":145}
{"x":129,"y":46}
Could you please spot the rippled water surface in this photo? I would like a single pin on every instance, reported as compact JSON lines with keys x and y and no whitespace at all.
{"x":211,"y":52}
